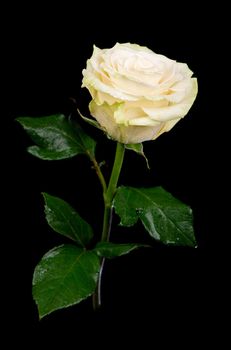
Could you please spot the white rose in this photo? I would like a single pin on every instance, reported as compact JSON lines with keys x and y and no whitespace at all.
{"x":137,"y":94}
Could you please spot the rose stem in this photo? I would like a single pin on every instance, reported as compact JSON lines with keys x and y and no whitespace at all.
{"x":108,"y":195}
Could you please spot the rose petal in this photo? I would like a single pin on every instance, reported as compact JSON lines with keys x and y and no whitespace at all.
{"x":175,"y":110}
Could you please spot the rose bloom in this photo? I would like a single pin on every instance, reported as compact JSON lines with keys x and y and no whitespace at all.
{"x":137,"y":94}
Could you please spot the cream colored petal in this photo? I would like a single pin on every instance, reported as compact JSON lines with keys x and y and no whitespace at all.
{"x":131,"y":113}
{"x":128,"y":86}
{"x":179,"y":91}
{"x":167,"y":113}
{"x":146,"y":103}
{"x":102,"y":97}
{"x":184,"y":69}
{"x":143,"y":121}
{"x":104,"y":114}
{"x":124,"y":115}
{"x":169,"y":125}
{"x":176,"y":110}
{"x":90,"y":80}
{"x":138,"y":134}
{"x":132,"y":47}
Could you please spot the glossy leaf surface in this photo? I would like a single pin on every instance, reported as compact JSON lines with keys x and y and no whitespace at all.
{"x":57,"y":137}
{"x":112,"y":250}
{"x":165,"y":218}
{"x":65,"y":276}
{"x":65,"y":220}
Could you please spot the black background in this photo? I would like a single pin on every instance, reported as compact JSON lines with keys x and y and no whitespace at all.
{"x":161,"y":293}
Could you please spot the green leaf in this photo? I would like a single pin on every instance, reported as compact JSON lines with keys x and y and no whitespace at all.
{"x":65,"y":276}
{"x":165,"y":218}
{"x":112,"y":250}
{"x":57,"y":137}
{"x":138,"y":148}
{"x":65,"y":220}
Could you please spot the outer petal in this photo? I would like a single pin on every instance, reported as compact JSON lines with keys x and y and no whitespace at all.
{"x":169,"y":125}
{"x":174,"y":111}
{"x":132,"y":113}
{"x":105,"y":115}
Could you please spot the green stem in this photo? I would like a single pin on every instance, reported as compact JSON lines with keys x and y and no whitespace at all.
{"x":108,"y":195}
{"x":111,"y":190}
